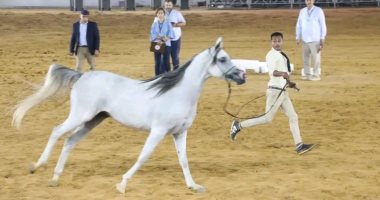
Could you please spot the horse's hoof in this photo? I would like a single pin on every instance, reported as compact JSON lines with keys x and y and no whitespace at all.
{"x":53,"y":183}
{"x":32,"y":168}
{"x":121,"y":187}
{"x":198,"y":188}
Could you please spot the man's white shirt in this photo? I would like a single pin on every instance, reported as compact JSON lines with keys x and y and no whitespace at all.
{"x":176,"y":17}
{"x":83,"y":34}
{"x":276,"y":61}
{"x":311,"y":25}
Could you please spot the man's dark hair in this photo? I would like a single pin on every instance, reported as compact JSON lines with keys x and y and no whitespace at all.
{"x":275,"y":34}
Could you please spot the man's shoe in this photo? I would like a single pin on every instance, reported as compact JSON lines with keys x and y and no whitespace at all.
{"x":235,"y":128}
{"x":315,"y":78}
{"x":303,"y":148}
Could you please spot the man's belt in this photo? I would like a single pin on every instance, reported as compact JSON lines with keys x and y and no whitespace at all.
{"x":276,"y":88}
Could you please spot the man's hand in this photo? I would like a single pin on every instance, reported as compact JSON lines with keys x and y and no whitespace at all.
{"x":97,"y":52}
{"x":321,"y":44}
{"x":285,"y":75}
{"x":71,"y":53}
{"x":292,"y":85}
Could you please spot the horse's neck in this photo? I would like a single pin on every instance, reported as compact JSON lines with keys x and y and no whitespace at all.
{"x":197,"y":72}
{"x":196,"y":75}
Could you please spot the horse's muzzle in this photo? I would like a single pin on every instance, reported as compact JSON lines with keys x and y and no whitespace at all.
{"x":237,"y":76}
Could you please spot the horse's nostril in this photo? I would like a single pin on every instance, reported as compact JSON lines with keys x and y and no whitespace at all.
{"x":242,"y":75}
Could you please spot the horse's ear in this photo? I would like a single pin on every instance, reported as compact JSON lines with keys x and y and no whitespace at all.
{"x":219,"y":43}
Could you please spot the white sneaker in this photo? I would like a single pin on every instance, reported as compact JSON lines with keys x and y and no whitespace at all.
{"x":314,"y":78}
{"x":304,"y":78}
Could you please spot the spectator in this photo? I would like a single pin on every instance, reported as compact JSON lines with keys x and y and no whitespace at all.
{"x":85,"y":41}
{"x":161,"y":31}
{"x":311,"y":31}
{"x":177,"y":20}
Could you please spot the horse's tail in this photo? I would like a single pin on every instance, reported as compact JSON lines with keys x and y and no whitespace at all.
{"x":58,"y":78}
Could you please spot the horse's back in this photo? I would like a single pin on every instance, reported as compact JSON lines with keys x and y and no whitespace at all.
{"x":126,"y":100}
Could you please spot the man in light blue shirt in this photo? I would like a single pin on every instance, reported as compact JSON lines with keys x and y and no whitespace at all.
{"x":177,"y":20}
{"x":311,"y":31}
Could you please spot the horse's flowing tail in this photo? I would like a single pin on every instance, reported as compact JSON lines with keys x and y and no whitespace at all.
{"x":58,"y":78}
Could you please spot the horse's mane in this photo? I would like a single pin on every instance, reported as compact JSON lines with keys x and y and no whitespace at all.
{"x":168,"y":80}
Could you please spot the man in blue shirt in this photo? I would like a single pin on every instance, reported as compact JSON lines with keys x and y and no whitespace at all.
{"x":177,"y":20}
{"x":311,"y":32}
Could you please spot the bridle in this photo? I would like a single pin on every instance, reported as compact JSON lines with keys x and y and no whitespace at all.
{"x":225,"y":74}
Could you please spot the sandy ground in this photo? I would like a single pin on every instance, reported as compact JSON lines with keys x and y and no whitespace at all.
{"x":339,"y":113}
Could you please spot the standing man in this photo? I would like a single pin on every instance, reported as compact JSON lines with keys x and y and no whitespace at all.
{"x":277,"y":96}
{"x":85,"y":41}
{"x":177,"y":20}
{"x":311,"y":31}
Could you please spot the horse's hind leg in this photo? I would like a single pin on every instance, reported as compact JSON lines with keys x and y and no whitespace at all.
{"x":70,"y":123}
{"x":154,"y":138}
{"x":70,"y":143}
{"x":57,"y":132}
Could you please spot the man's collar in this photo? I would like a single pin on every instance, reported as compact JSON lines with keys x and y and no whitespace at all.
{"x":311,"y":8}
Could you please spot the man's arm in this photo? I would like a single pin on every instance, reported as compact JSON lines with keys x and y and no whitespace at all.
{"x":285,"y":75}
{"x":72,"y":41}
{"x":322,"y":24}
{"x":298,"y":29}
{"x":181,"y":20}
{"x":96,"y":37}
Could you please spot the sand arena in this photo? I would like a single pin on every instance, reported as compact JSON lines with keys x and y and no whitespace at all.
{"x":339,"y":113}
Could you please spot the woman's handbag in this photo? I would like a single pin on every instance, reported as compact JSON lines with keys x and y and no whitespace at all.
{"x":157,"y":47}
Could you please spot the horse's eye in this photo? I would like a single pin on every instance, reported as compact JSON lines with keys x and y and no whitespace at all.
{"x":222,"y":59}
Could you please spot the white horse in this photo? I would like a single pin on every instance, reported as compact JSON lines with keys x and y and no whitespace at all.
{"x":163,"y":105}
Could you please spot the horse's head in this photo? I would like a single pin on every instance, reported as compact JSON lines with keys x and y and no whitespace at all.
{"x":222,"y":65}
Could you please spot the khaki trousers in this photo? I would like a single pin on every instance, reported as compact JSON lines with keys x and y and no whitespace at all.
{"x":311,"y":58}
{"x":84,"y":53}
{"x":271,"y":109}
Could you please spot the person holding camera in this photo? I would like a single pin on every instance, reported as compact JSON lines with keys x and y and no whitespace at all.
{"x":160,"y":34}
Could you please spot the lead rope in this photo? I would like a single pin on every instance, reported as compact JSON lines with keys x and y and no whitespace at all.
{"x":236,"y":116}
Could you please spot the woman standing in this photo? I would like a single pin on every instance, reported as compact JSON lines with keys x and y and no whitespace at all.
{"x":161,"y":32}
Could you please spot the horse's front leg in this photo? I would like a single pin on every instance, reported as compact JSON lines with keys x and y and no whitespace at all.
{"x":154,"y":138}
{"x":180,"y":144}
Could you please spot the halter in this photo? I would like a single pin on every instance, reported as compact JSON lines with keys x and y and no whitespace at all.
{"x":214,"y":61}
{"x":229,"y":94}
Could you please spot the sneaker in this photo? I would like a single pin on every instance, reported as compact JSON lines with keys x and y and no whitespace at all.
{"x":235,"y":128}
{"x":304,"y":78}
{"x":314,"y":78}
{"x":303,"y":148}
